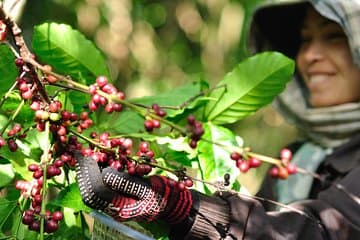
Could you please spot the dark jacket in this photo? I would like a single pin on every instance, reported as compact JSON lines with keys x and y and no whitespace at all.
{"x":331,"y":212}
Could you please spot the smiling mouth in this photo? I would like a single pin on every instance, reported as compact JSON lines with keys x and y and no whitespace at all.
{"x":317,"y":79}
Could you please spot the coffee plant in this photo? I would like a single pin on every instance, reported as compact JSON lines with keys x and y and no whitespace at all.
{"x":58,"y":99}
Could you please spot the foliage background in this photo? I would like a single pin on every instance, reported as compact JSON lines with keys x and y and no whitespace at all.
{"x":153,"y":46}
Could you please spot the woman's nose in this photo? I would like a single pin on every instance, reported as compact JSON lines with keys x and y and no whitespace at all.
{"x":313,"y":51}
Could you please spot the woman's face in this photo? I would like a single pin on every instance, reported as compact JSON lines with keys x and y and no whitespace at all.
{"x":324,"y":62}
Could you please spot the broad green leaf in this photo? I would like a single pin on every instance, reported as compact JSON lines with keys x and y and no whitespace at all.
{"x":12,"y":102}
{"x":251,"y":85}
{"x":123,"y":122}
{"x":6,"y":209}
{"x":70,"y":197}
{"x":8,"y":70}
{"x":214,"y":160}
{"x":68,"y":51}
{"x":7,"y":174}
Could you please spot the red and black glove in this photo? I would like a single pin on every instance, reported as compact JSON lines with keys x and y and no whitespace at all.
{"x":126,"y":197}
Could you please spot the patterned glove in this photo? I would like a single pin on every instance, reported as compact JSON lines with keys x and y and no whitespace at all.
{"x":126,"y":197}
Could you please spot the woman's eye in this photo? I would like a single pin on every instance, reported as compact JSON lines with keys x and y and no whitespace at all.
{"x":335,"y":36}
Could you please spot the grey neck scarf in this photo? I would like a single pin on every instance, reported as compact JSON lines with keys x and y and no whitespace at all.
{"x":329,"y":127}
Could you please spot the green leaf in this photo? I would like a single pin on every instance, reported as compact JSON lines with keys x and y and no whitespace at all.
{"x":251,"y":85}
{"x":70,"y":197}
{"x":68,"y":51}
{"x":214,"y":160}
{"x":7,"y":174}
{"x":6,"y":209}
{"x":12,"y":102}
{"x":124,"y":122}
{"x":8,"y":70}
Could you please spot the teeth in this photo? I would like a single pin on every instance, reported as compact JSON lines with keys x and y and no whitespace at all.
{"x":317,"y":78}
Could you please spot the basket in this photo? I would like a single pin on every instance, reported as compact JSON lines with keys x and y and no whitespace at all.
{"x":105,"y":228}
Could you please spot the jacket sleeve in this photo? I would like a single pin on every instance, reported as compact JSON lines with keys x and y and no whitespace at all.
{"x":335,"y":214}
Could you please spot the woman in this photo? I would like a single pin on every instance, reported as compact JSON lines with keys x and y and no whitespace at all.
{"x":323,"y":100}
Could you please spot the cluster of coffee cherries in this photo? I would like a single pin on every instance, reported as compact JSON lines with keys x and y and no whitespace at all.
{"x":2,"y":31}
{"x":245,"y":163}
{"x":31,"y":218}
{"x":32,"y":190}
{"x":97,"y":99}
{"x":286,"y":168}
{"x":12,"y":134}
{"x":195,"y":129}
{"x":181,"y":184}
{"x":151,"y":123}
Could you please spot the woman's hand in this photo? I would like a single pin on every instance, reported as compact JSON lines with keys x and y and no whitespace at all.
{"x":126,"y":197}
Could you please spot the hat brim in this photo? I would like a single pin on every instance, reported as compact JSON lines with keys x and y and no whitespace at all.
{"x":276,"y":27}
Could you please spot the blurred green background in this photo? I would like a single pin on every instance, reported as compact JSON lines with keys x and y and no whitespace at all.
{"x":153,"y":46}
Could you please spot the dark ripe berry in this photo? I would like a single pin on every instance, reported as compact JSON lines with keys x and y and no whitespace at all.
{"x":283,"y":173}
{"x":193,"y":143}
{"x":226,"y":177}
{"x":109,"y":108}
{"x":235,"y":156}
{"x":120,"y":95}
{"x":274,"y":172}
{"x":116,"y":165}
{"x":161,"y":113}
{"x":285,"y":154}
{"x":53,"y":107}
{"x":92,"y":89}
{"x":101,"y":81}
{"x":11,"y":133}
{"x":37,"y":209}
{"x":35,"y":226}
{"x":109,"y":88}
{"x":51,"y":226}
{"x":291,"y":168}
{"x":244,"y":166}
{"x":92,"y":106}
{"x":191,"y":119}
{"x":37,"y":199}
{"x":155,"y":107}
{"x":28,"y":219}
{"x":2,"y":142}
{"x":29,"y":212}
{"x":17,"y":128}
{"x":35,"y":105}
{"x":38,"y":174}
{"x":19,"y":62}
{"x":150,"y":154}
{"x":52,"y":171}
{"x":84,"y":115}
{"x":180,"y":186}
{"x":40,"y":126}
{"x":156,"y":123}
{"x":58,"y":163}
{"x":188,"y":182}
{"x":57,"y":216}
{"x":61,"y":131}
{"x":144,"y":147}
{"x":33,"y":167}
{"x":12,"y":145}
{"x":149,"y":125}
{"x":254,"y":162}
{"x":117,"y":107}
{"x":26,"y":95}
{"x":131,"y":170}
